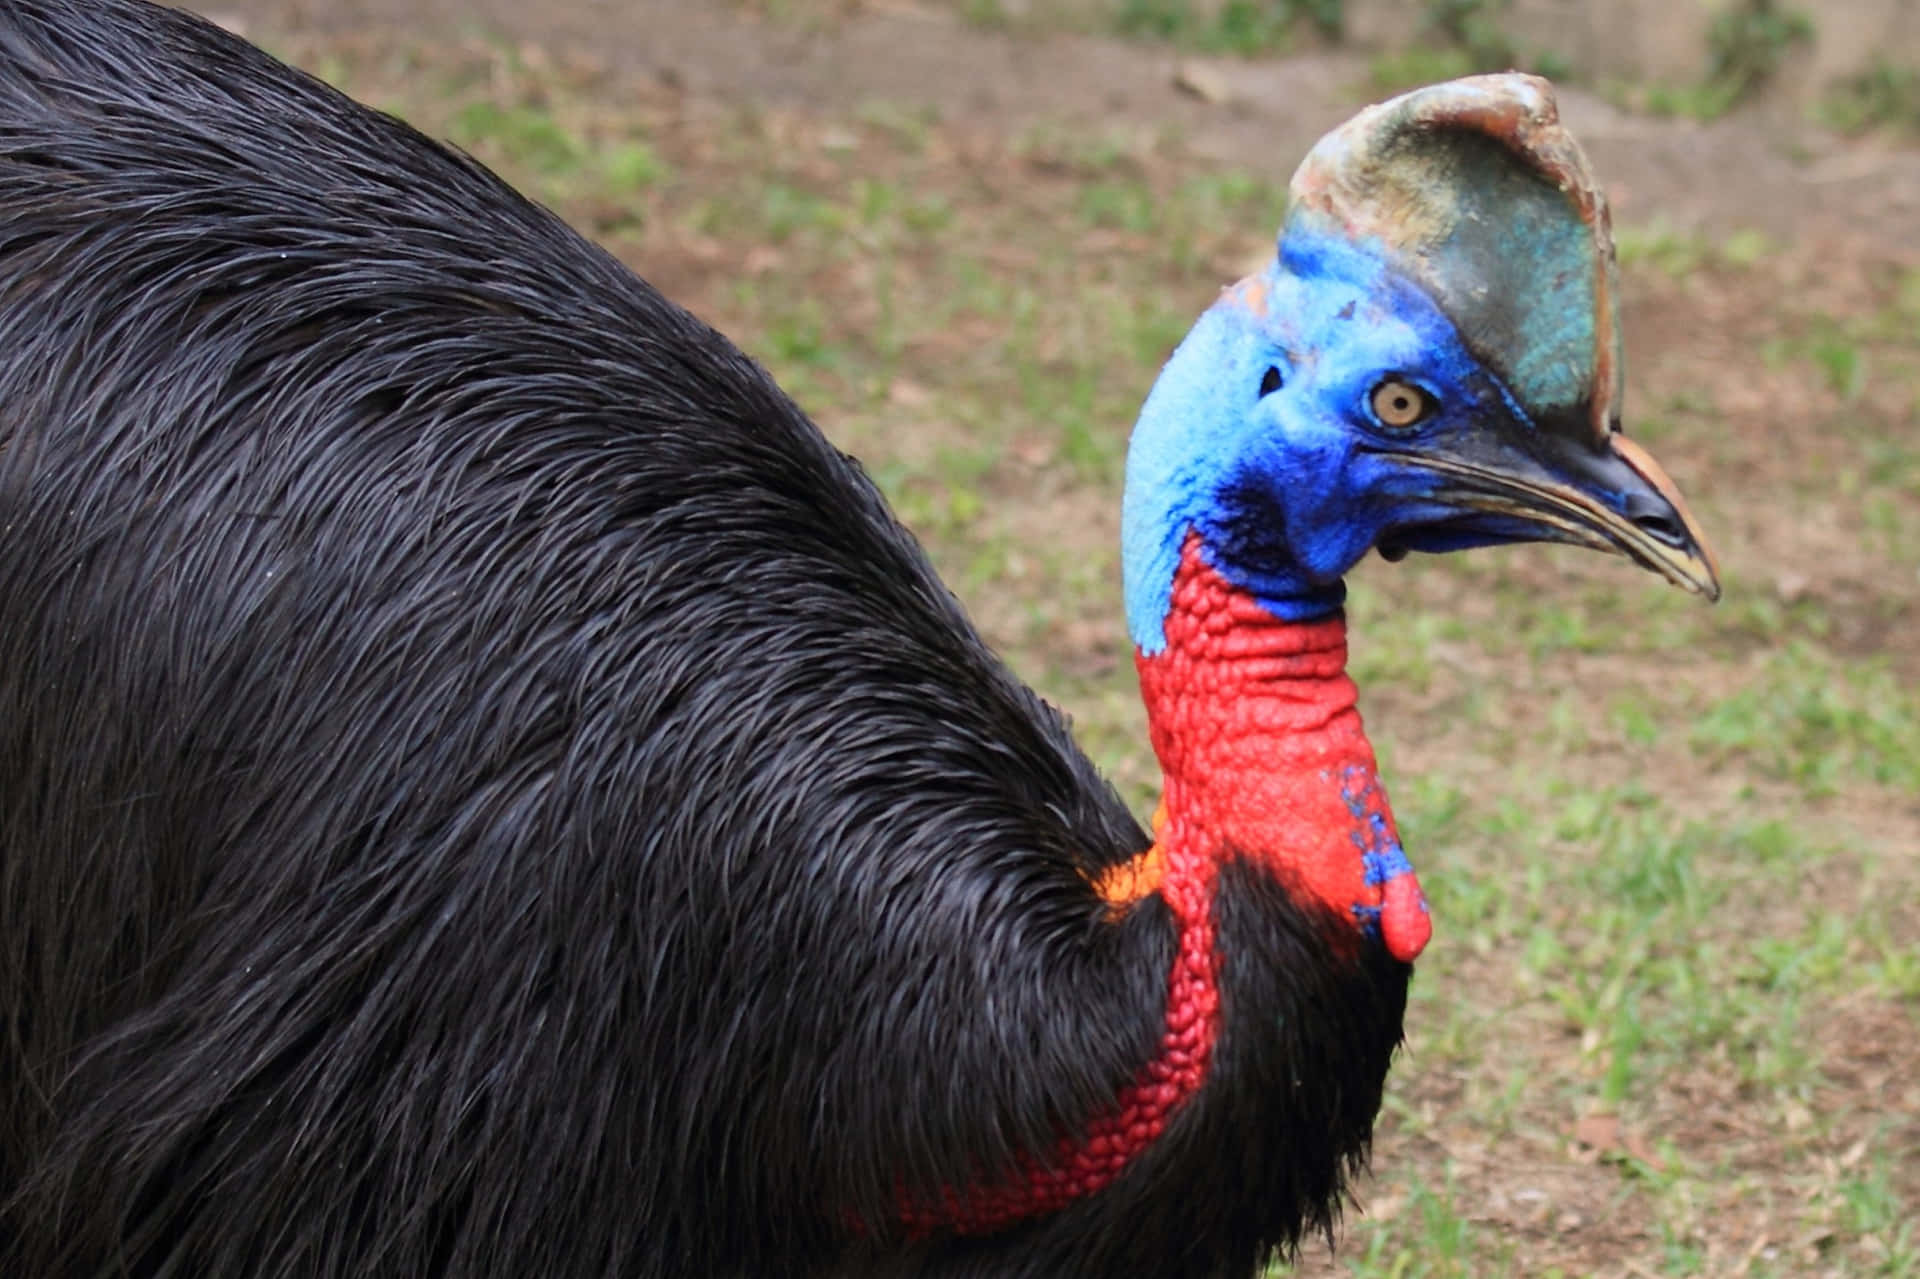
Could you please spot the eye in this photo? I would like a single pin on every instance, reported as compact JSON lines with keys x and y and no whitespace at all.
{"x":1270,"y":381}
{"x":1399,"y":404}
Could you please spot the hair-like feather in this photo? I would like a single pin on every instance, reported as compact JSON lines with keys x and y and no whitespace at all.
{"x":486,"y":789}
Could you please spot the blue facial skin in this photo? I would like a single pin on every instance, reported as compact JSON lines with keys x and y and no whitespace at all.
{"x":1289,"y":489}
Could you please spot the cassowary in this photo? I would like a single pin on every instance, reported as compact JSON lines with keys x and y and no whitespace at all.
{"x":487,"y":790}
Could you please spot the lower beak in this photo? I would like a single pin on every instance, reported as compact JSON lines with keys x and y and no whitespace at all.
{"x":1614,"y":498}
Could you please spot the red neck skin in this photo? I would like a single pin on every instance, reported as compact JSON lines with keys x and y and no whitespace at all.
{"x":1264,"y":758}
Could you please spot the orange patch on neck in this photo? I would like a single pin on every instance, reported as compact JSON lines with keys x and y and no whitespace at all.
{"x":1130,"y":881}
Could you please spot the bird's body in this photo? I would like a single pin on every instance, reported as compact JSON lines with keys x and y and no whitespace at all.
{"x":486,"y":789}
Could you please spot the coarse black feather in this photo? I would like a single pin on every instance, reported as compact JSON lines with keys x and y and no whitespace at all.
{"x":487,"y":789}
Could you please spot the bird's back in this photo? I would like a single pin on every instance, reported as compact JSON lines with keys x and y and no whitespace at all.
{"x":474,"y":761}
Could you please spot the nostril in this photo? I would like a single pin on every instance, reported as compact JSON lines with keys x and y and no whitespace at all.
{"x":1656,"y":518}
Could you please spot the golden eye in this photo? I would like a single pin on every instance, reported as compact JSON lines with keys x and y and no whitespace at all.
{"x":1400,"y":404}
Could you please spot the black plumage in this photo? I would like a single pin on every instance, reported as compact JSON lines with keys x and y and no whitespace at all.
{"x":487,"y":789}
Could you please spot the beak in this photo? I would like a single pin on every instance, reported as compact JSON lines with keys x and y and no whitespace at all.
{"x":1611,"y":497}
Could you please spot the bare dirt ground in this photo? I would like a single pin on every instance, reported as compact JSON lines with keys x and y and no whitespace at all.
{"x":1670,"y":1021}
{"x":1736,"y":173}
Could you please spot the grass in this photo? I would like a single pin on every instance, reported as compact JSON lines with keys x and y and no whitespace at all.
{"x":1798,"y":719}
{"x":1886,"y":96}
{"x":1667,"y":1022}
{"x":607,"y":169}
{"x":1417,"y":64}
{"x":1659,"y":246}
{"x":1747,"y":44}
{"x":1456,"y":38}
{"x":1235,"y":26}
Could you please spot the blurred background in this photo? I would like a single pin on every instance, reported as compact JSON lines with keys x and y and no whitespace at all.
{"x":1670,"y":1018}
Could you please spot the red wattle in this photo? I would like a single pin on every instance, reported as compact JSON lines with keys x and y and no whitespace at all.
{"x":1255,"y":723}
{"x":1405,"y":925}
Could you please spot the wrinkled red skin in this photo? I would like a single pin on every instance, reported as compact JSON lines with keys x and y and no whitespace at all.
{"x":1255,"y":724}
{"x":1254,"y":721}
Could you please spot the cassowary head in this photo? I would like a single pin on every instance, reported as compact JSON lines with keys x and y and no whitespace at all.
{"x":1432,"y":362}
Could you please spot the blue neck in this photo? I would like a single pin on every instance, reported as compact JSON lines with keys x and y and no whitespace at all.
{"x":1196,"y":436}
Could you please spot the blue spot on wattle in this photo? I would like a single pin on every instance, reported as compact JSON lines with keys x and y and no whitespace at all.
{"x":1389,"y":864}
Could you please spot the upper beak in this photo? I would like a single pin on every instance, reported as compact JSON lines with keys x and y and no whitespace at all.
{"x":1613,"y":497}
